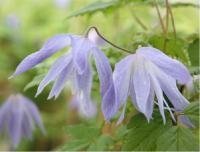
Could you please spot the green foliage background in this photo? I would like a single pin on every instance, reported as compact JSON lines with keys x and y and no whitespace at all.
{"x":128,"y":23}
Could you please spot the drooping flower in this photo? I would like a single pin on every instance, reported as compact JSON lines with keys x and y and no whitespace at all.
{"x":146,"y":74}
{"x":18,"y":116}
{"x":75,"y":66}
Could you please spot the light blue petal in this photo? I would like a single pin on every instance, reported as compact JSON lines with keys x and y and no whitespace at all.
{"x":104,"y":70}
{"x":81,"y":47}
{"x":27,"y":126}
{"x":121,"y":118}
{"x":141,"y":82}
{"x":57,"y":67}
{"x":121,"y":78}
{"x":186,"y":121}
{"x":33,"y":111}
{"x":84,"y":80}
{"x":170,"y":110}
{"x":15,"y":121}
{"x":168,"y":85}
{"x":132,"y":94}
{"x":150,"y":105}
{"x":61,"y":81}
{"x":170,"y":66}
{"x":53,"y":45}
{"x":109,"y":105}
{"x":85,"y":106}
{"x":4,"y":111}
{"x":95,"y":38}
{"x":158,"y":92}
{"x":84,"y":84}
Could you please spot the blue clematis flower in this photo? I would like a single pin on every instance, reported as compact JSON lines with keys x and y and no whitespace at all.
{"x":146,"y":74}
{"x":17,"y":117}
{"x":75,"y":66}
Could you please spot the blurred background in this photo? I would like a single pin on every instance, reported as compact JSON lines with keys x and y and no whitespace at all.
{"x":26,"y":24}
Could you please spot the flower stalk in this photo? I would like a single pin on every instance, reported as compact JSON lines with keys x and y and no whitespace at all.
{"x":114,"y":45}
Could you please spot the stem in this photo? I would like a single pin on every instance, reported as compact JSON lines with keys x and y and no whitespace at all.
{"x":120,"y":48}
{"x":172,"y":19}
{"x":179,"y":113}
{"x":167,"y":23}
{"x":138,"y":19}
{"x":159,"y":15}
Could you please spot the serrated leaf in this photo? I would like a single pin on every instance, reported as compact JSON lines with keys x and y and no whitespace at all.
{"x":193,"y":51}
{"x":74,"y":145}
{"x":143,"y":135}
{"x":101,"y":143}
{"x":192,"y":111}
{"x":82,"y":132}
{"x":82,"y":136}
{"x":174,"y":47}
{"x":36,"y":81}
{"x":177,"y":138}
{"x":144,"y":2}
{"x":121,"y":132}
{"x":94,"y":7}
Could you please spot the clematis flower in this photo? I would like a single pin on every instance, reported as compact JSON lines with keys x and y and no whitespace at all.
{"x":75,"y":66}
{"x":147,"y":74}
{"x":17,"y":117}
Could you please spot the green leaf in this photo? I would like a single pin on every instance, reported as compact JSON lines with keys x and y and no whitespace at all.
{"x":192,"y":111}
{"x":94,"y":7}
{"x":177,"y":138}
{"x":143,"y":135}
{"x":121,"y":132}
{"x":174,"y":47}
{"x":144,"y":2}
{"x":101,"y":143}
{"x":193,"y":51}
{"x":82,"y":137}
{"x":82,"y":132}
{"x":74,"y":145}
{"x":36,"y":81}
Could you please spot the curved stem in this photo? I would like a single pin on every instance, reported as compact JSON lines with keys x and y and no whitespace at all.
{"x":114,"y":45}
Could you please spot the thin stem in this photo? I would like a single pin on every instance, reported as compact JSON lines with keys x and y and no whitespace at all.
{"x":179,"y":113}
{"x":138,"y":19}
{"x":167,"y":14}
{"x":159,"y":15}
{"x":172,"y":19}
{"x":167,"y":23}
{"x":120,"y":48}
